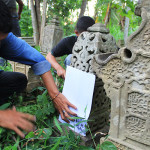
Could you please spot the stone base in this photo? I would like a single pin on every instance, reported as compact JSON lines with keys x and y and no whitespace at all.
{"x":121,"y":145}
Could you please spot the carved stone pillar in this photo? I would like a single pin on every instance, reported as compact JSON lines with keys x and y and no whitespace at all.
{"x":96,"y":41}
{"x":52,"y":35}
{"x":126,"y":78}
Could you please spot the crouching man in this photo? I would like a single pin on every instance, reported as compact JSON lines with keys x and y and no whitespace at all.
{"x":15,"y":49}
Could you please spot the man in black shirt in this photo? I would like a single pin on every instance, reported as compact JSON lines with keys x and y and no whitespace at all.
{"x":65,"y":46}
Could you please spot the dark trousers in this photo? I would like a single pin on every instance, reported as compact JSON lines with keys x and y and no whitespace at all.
{"x":11,"y":82}
{"x":15,"y":27}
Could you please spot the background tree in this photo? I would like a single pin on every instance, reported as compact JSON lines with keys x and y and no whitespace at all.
{"x":34,"y":22}
{"x":65,"y":10}
{"x":83,"y":7}
{"x":116,"y":17}
{"x":126,"y":28}
{"x":38,"y":14}
{"x":26,"y":22}
{"x":43,"y":19}
{"x":111,"y":13}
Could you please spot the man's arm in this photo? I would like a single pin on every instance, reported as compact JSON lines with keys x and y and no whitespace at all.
{"x":60,"y":70}
{"x":62,"y":48}
{"x":61,"y":103}
{"x":18,"y":50}
{"x":20,"y":8}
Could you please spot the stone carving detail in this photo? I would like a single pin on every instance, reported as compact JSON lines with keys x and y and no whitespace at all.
{"x":126,"y":77}
{"x":138,"y":104}
{"x":137,"y":122}
{"x":96,"y":40}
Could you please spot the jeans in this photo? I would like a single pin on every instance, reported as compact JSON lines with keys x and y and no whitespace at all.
{"x":11,"y":82}
{"x":68,"y":60}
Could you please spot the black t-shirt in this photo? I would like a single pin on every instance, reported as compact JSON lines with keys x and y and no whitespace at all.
{"x":11,"y":4}
{"x":64,"y":47}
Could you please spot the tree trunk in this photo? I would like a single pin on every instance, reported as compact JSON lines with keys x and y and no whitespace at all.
{"x":38,"y":14}
{"x":122,"y":22}
{"x":95,"y":12}
{"x":95,"y":17}
{"x":34,"y":23}
{"x":107,"y":16}
{"x":43,"y":20}
{"x":28,"y":4}
{"x":83,"y":7}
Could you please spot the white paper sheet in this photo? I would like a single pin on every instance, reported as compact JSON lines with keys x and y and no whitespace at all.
{"x":78,"y":89}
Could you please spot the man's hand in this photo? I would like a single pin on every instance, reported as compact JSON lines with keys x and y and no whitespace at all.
{"x":14,"y":120}
{"x":61,"y":72}
{"x":19,"y":17}
{"x":62,"y":104}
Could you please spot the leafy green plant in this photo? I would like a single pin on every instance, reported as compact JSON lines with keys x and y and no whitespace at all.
{"x":64,"y":9}
{"x":26,"y":22}
{"x":49,"y":133}
{"x":37,"y":48}
{"x":107,"y":145}
{"x":58,"y":80}
{"x":7,"y":67}
{"x":4,"y":106}
{"x":118,"y":12}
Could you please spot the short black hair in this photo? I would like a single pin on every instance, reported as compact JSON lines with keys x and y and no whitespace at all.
{"x":5,"y":18}
{"x":83,"y":23}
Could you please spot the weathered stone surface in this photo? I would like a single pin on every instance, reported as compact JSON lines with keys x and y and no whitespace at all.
{"x":142,"y":4}
{"x":33,"y":80}
{"x":98,"y":27}
{"x":97,"y":40}
{"x":121,"y":145}
{"x":52,"y":35}
{"x":18,"y":67}
{"x":89,"y":44}
{"x":29,"y":40}
{"x":126,"y":78}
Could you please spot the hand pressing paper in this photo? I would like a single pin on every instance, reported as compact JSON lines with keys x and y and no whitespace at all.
{"x":78,"y":89}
